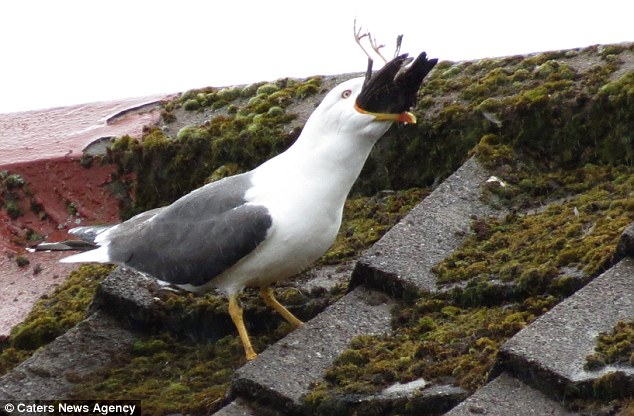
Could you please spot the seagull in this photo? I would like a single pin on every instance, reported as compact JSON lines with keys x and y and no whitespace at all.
{"x":256,"y":228}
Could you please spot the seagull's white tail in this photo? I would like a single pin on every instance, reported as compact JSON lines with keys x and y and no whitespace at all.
{"x":98,"y":255}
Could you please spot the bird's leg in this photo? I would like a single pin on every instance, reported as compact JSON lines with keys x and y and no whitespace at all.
{"x":266,"y":293}
{"x":235,"y":311}
{"x":399,"y":40}
{"x":376,"y":47}
{"x":373,"y":43}
{"x":358,"y":36}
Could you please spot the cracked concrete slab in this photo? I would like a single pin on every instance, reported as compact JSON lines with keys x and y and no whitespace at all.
{"x":551,"y":352}
{"x":52,"y":373}
{"x":506,"y":396}
{"x":402,"y":260}
{"x":284,"y":373}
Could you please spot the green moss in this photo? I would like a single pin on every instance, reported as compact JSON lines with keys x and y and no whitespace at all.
{"x":71,"y":208}
{"x":275,"y":111}
{"x":615,"y":347}
{"x":308,"y":88}
{"x":612,"y":386}
{"x":22,"y":261}
{"x":52,"y":316}
{"x":191,"y":105}
{"x":167,"y":116}
{"x":196,"y":98}
{"x":267,"y":89}
{"x":281,"y":98}
{"x":168,"y":375}
{"x":543,"y":105}
{"x":250,"y":90}
{"x":538,"y":251}
{"x":601,"y":406}
{"x":491,"y":83}
{"x":13,"y":208}
{"x":12,"y":189}
{"x":557,"y":126}
{"x":155,"y":139}
{"x":187,"y":370}
{"x":223,"y":171}
{"x":611,"y":50}
{"x":554,"y":71}
{"x":433,"y":339}
{"x":11,"y":181}
{"x":229,"y":94}
{"x":149,"y":347}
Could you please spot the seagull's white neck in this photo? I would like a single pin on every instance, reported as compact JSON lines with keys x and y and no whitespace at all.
{"x":325,"y":164}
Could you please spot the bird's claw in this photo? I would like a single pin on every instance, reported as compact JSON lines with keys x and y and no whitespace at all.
{"x":359,"y":34}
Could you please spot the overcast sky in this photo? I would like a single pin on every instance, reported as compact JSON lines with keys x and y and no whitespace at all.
{"x":67,"y":52}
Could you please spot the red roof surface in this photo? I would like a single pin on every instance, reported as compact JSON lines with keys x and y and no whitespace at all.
{"x":65,"y":131}
{"x":44,"y":147}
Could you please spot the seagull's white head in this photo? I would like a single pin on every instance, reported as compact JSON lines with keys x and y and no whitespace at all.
{"x":337,"y":114}
{"x":367,"y":107}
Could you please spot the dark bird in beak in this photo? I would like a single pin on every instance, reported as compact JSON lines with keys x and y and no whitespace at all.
{"x":392,"y":91}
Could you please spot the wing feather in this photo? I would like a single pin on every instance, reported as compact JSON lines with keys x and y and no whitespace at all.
{"x":197,"y":237}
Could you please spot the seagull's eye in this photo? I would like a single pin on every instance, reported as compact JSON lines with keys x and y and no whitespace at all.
{"x":346,"y":94}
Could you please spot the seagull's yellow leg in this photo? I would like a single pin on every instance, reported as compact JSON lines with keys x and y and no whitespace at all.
{"x":235,"y":311}
{"x":266,"y":293}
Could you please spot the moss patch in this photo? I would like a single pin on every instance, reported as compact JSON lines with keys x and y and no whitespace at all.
{"x":433,"y":339}
{"x":546,"y":251}
{"x":52,"y":316}
{"x":564,"y":108}
{"x":13,"y":190}
{"x":171,"y":375}
{"x":608,"y":407}
{"x":615,"y":347}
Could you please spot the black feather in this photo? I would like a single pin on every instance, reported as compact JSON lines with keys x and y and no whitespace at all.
{"x":394,"y":88}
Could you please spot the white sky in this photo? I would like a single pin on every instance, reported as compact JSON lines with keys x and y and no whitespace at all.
{"x":67,"y":52}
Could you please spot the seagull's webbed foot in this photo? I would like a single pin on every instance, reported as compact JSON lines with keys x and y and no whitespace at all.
{"x":266,"y":293}
{"x":235,"y":311}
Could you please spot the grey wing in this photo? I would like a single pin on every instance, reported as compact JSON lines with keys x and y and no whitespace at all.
{"x":90,"y":233}
{"x":196,"y":238}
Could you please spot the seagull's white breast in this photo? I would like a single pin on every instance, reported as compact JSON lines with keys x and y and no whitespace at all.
{"x":306,"y":219}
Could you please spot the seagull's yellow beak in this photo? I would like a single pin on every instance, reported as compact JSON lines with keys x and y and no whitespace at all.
{"x":405,"y":117}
